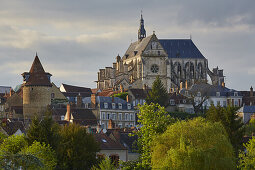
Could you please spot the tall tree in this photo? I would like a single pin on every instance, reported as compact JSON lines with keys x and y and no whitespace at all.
{"x":247,"y":157}
{"x":231,"y":122}
{"x":77,"y":148}
{"x":154,"y":120}
{"x":44,"y":131}
{"x":158,"y":93}
{"x":193,"y":144}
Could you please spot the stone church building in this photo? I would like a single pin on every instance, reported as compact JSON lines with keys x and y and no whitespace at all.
{"x":178,"y":63}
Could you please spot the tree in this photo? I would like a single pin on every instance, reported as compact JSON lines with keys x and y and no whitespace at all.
{"x":230,"y":121}
{"x":105,"y":164}
{"x":44,"y":152}
{"x":15,"y":153}
{"x":44,"y":131}
{"x":153,"y":119}
{"x":193,"y":144}
{"x":247,"y":157}
{"x":122,"y":95}
{"x":77,"y":148}
{"x":158,"y":93}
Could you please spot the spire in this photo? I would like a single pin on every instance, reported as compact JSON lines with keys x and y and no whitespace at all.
{"x":141,"y":31}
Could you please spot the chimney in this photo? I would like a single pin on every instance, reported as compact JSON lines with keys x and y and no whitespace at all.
{"x":181,"y":85}
{"x":144,"y":87}
{"x":10,"y":92}
{"x":110,"y":124}
{"x":186,"y":84}
{"x":121,"y":88}
{"x":68,"y":112}
{"x":128,"y":98}
{"x":79,"y":101}
{"x":93,"y":101}
{"x":223,"y":84}
{"x":251,"y":91}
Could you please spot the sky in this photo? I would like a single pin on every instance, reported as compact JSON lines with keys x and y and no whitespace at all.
{"x":74,"y":39}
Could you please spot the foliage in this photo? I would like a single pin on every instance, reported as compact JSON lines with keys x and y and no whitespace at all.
{"x":15,"y":153}
{"x":44,"y":131}
{"x":134,"y":165}
{"x":184,"y":115}
{"x":154,"y":120}
{"x":158,"y":93}
{"x":231,"y":122}
{"x":2,"y":137}
{"x":122,"y":95}
{"x":44,"y":153}
{"x":247,"y":157}
{"x":250,"y":128}
{"x":77,"y":149}
{"x":193,"y":144}
{"x":105,"y":164}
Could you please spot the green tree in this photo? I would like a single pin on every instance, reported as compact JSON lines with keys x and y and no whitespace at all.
{"x":122,"y":95}
{"x":77,"y":148}
{"x":153,"y":119}
{"x":44,"y":152}
{"x":15,"y":153}
{"x":250,"y":128}
{"x":44,"y":131}
{"x":193,"y":144}
{"x":158,"y":93}
{"x":231,"y":122}
{"x":105,"y":164}
{"x":247,"y":157}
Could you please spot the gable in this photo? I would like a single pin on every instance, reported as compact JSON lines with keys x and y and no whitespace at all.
{"x":154,"y":48}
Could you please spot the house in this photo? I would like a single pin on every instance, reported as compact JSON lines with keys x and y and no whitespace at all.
{"x":111,"y":148}
{"x":206,"y":95}
{"x":73,"y":92}
{"x":138,"y":96}
{"x":179,"y":103}
{"x":9,"y":127}
{"x":248,"y":97}
{"x":105,"y":108}
{"x":246,"y":112}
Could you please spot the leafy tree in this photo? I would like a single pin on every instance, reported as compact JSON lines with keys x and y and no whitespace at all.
{"x":250,"y":128}
{"x":153,"y":119}
{"x":2,"y":137}
{"x":13,"y":144}
{"x":77,"y":149}
{"x":193,"y":144}
{"x":43,"y":152}
{"x":122,"y":95}
{"x":230,"y":121}
{"x":105,"y":164}
{"x":247,"y":157}
{"x":158,"y":93}
{"x":134,"y":165}
{"x":44,"y":131}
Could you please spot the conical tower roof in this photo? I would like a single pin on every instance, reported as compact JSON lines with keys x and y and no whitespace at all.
{"x":37,"y":75}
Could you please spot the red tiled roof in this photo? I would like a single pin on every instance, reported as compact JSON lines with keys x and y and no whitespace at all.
{"x":37,"y":75}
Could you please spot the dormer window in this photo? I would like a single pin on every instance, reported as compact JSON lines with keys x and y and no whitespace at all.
{"x":218,"y":94}
{"x":106,"y":105}
{"x":235,"y":93}
{"x":113,"y":105}
{"x":172,"y":102}
{"x":199,"y":94}
{"x":120,"y":106}
{"x":129,"y":106}
{"x":62,"y":117}
{"x":186,"y":93}
{"x":183,"y":101}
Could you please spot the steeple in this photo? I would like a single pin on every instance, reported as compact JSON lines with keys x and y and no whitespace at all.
{"x":141,"y":31}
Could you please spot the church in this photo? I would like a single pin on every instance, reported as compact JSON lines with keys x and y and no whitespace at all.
{"x":178,"y":63}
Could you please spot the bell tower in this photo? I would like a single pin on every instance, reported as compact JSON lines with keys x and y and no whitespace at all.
{"x":141,"y":31}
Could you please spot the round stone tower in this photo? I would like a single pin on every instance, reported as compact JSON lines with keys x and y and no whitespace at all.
{"x":36,"y":90}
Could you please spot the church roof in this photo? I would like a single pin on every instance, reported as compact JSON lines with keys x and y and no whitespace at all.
{"x":181,"y":48}
{"x":37,"y":75}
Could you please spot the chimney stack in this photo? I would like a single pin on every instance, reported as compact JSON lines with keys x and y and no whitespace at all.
{"x":93,"y":101}
{"x":223,"y":84}
{"x":181,"y":83}
{"x":121,"y":88}
{"x":186,"y":84}
{"x":79,"y":101}
{"x":128,"y":98}
{"x":251,"y":91}
{"x":68,"y":112}
{"x":110,"y":124}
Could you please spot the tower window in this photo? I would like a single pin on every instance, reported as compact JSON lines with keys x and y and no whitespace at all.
{"x":154,"y":68}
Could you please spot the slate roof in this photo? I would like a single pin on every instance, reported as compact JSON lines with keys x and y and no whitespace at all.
{"x":11,"y":127}
{"x":77,"y":89}
{"x":106,"y":143}
{"x":180,"y":48}
{"x":248,"y":109}
{"x":102,"y":99}
{"x":138,"y":46}
{"x":37,"y":75}
{"x":139,"y":93}
{"x":4,"y":89}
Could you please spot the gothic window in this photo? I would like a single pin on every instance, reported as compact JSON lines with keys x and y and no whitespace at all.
{"x":154,"y":68}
